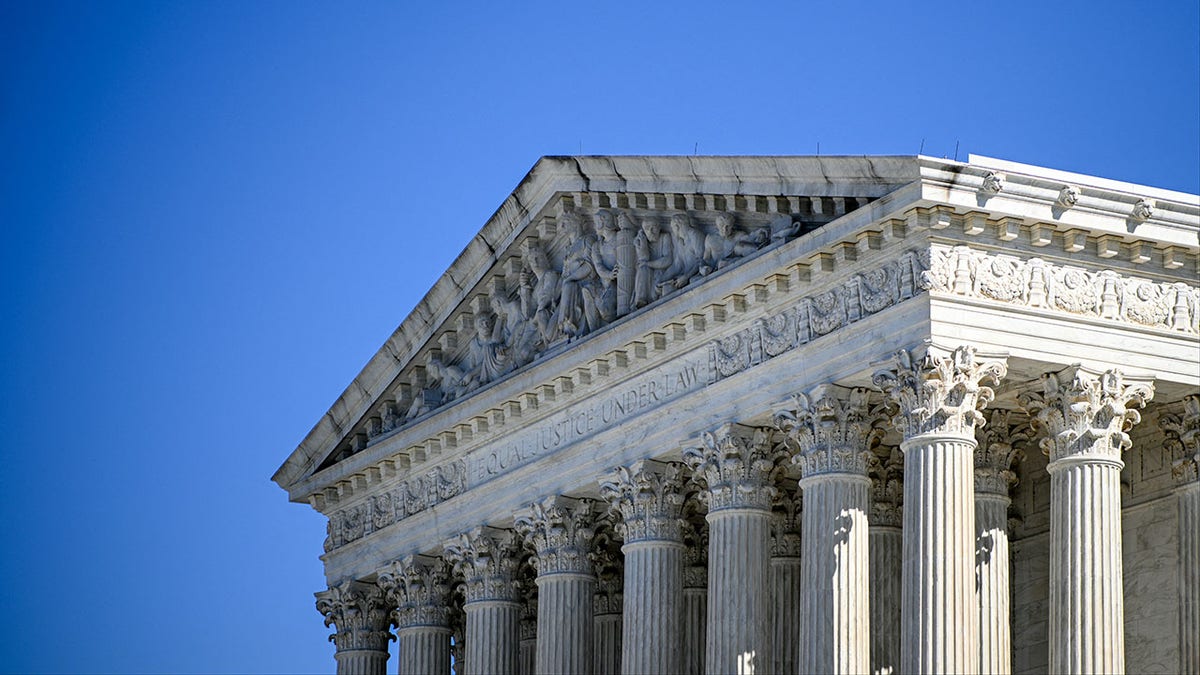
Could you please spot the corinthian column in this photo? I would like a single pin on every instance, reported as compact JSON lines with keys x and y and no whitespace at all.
{"x":993,"y":478}
{"x":417,"y":586}
{"x":528,"y":650}
{"x":487,"y":558}
{"x":695,"y":595}
{"x":832,"y":431}
{"x":559,"y":529}
{"x":1082,"y":418}
{"x":608,"y":604}
{"x":887,"y":551}
{"x":786,"y":582}
{"x":936,"y":398}
{"x":361,"y":615}
{"x":647,"y":495}
{"x":734,"y":469}
{"x":1183,"y":434}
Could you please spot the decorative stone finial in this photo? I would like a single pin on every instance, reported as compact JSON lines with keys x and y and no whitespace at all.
{"x":734,"y":466}
{"x":361,"y":614}
{"x":1081,"y":413}
{"x":560,"y":530}
{"x":939,"y":393}
{"x":1183,"y":440}
{"x":833,"y":428}
{"x":648,"y":496}
{"x":487,"y":559}
{"x":418,"y":587}
{"x":995,"y":454}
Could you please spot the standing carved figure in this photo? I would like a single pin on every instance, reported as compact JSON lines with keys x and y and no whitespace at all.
{"x":604,"y":261}
{"x":576,"y":304}
{"x":519,"y":333}
{"x":688,"y":246}
{"x":487,"y":354}
{"x":626,"y":268}
{"x":654,"y":254}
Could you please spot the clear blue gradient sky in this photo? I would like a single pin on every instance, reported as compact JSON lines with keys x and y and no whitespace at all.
{"x":213,"y":214}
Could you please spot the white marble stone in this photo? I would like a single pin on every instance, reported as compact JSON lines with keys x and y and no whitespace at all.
{"x":886,"y":552}
{"x":360,"y":613}
{"x":486,"y":558}
{"x":994,"y":476}
{"x":786,"y":582}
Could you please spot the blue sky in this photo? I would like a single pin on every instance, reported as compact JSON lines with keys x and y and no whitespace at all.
{"x":213,"y":213}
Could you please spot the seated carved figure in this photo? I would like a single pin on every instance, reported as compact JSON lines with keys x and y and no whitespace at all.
{"x":577,"y":313}
{"x":688,"y":243}
{"x":539,"y":291}
{"x":728,"y":243}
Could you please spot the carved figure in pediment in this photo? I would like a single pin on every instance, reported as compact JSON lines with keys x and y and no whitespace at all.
{"x":446,"y":383}
{"x":519,"y":333}
{"x":577,"y":312}
{"x":782,"y":228}
{"x":688,"y":246}
{"x":604,"y":261}
{"x":728,"y":243}
{"x":654,"y":254}
{"x":540,"y":289}
{"x":487,"y":353}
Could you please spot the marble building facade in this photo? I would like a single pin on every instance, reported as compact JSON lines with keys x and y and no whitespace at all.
{"x":780,"y":415}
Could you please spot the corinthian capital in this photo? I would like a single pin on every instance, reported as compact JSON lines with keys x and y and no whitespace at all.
{"x":1183,"y":440}
{"x":418,"y":586}
{"x":360,"y":612}
{"x":939,"y":393}
{"x":487,"y":558}
{"x":995,"y":454}
{"x":786,"y":524}
{"x":1084,"y":414}
{"x":734,"y":466}
{"x":887,"y":490}
{"x":833,"y":428}
{"x":560,"y":530}
{"x":648,"y":496}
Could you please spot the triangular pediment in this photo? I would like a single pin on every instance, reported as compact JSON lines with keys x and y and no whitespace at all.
{"x":583,"y":242}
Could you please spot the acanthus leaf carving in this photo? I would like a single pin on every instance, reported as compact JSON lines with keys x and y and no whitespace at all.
{"x":734,"y":467}
{"x":887,"y":489}
{"x":559,"y":530}
{"x":648,"y":496}
{"x":939,"y":393}
{"x":487,"y":559}
{"x":997,"y":450}
{"x":418,"y":587}
{"x":361,"y":614}
{"x":832,"y":429}
{"x":1183,"y":440}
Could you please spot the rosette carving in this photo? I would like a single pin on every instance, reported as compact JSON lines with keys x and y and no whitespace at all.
{"x":361,"y":614}
{"x":996,"y":453}
{"x":1081,"y":413}
{"x":832,"y":428}
{"x":786,"y":524}
{"x":647,"y":495}
{"x":487,"y":558}
{"x":560,"y":531}
{"x":418,"y":587}
{"x":887,"y":490}
{"x":939,"y":393}
{"x":1183,"y":440}
{"x":734,"y":467}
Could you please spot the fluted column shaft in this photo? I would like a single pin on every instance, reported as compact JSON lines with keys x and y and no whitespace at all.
{"x":695,"y":620}
{"x":424,"y":650}
{"x":565,"y":629}
{"x":1189,"y":577}
{"x":739,"y":591}
{"x":607,"y":645}
{"x":992,"y":562}
{"x":835,"y":617}
{"x":652,"y":630}
{"x":528,"y":657}
{"x":361,"y":662}
{"x":786,"y":585}
{"x":939,"y":628}
{"x":492,"y":642}
{"x":886,"y":544}
{"x":1087,"y":632}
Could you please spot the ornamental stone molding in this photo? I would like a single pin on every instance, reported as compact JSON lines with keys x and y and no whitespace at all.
{"x":833,"y":428}
{"x":1035,"y":282}
{"x":1183,"y":440}
{"x":937,"y":392}
{"x":418,"y":586}
{"x":410,"y":497}
{"x":734,"y":467}
{"x":648,"y":497}
{"x":1084,"y":414}
{"x":560,"y":531}
{"x":487,"y":559}
{"x":361,"y":614}
{"x":996,"y":453}
{"x":887,"y":489}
